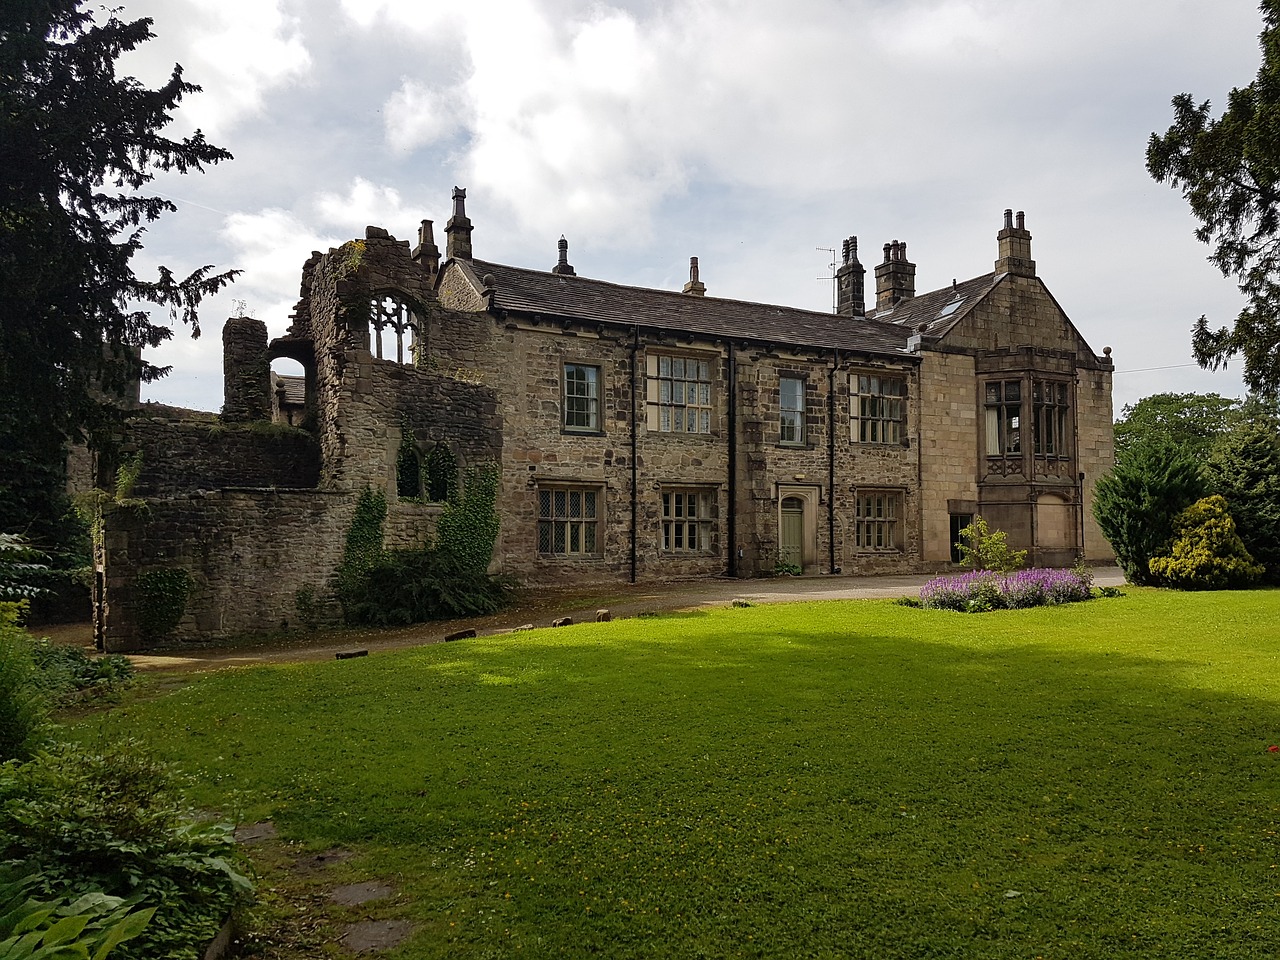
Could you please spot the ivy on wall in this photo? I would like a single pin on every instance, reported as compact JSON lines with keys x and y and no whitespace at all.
{"x":363,"y":547}
{"x":468,"y":526}
{"x":440,"y":473}
{"x":433,"y":479}
{"x":446,"y":579}
{"x":161,"y":595}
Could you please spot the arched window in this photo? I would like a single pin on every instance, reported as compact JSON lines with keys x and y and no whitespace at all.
{"x":441,"y":474}
{"x":391,"y":318}
{"x":408,"y":473}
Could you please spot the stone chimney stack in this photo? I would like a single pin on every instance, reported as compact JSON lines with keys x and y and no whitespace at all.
{"x":851,"y":282}
{"x":695,"y":287}
{"x":1015,"y":247}
{"x":896,"y":277}
{"x":426,"y":252}
{"x":562,"y":266}
{"x":458,"y":229}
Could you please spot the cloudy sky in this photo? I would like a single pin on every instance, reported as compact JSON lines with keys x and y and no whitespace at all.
{"x":752,"y":135}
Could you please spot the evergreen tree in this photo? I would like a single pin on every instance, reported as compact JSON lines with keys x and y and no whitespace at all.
{"x":1244,"y":468}
{"x":1229,"y":172}
{"x":78,"y":144}
{"x":1135,"y":504}
{"x":1192,"y":421}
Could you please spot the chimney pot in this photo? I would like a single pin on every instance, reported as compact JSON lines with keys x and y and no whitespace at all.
{"x":562,"y":264}
{"x":694,"y":287}
{"x":1008,"y":218}
{"x":1022,"y":220}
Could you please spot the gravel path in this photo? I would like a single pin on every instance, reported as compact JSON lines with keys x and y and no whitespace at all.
{"x":541,"y":607}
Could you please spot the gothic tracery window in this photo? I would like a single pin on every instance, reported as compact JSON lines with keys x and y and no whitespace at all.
{"x":392,"y":321}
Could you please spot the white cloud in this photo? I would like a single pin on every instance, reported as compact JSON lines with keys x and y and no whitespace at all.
{"x":364,"y":204}
{"x":270,"y":246}
{"x":418,"y":116}
{"x":237,"y":50}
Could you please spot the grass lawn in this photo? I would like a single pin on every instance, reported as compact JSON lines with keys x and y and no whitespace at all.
{"x":842,"y":779}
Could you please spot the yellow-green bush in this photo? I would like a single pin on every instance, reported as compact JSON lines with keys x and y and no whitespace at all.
{"x":1206,"y":552}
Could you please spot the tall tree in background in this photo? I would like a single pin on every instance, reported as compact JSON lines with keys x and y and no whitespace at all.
{"x":77,"y":145}
{"x":1229,"y":172}
{"x":1191,"y":421}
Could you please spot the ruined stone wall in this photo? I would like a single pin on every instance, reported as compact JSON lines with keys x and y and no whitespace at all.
{"x":179,"y":457}
{"x":247,"y":553}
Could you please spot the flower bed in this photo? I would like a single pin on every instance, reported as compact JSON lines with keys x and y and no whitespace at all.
{"x":983,"y":590}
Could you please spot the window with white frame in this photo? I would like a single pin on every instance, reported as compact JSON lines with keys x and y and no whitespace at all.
{"x":878,"y":408}
{"x":679,"y":394}
{"x":791,"y":409}
{"x":581,"y":397}
{"x":686,"y":520}
{"x":1004,"y":418}
{"x":1049,"y":419}
{"x":569,"y":521}
{"x":876,"y":516}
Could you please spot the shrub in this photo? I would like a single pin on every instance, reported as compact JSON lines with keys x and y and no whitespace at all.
{"x":20,"y":568}
{"x":984,"y":549}
{"x":410,"y":586}
{"x":113,"y":819}
{"x":1206,"y":553}
{"x":1136,"y":502}
{"x":92,"y":925}
{"x":1244,"y":467}
{"x":69,"y":673}
{"x":24,"y":705}
{"x":983,"y":590}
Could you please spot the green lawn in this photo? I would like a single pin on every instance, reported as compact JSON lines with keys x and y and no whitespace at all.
{"x":853,"y":779}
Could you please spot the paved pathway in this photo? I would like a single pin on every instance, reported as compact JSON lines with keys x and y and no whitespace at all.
{"x":541,"y":607}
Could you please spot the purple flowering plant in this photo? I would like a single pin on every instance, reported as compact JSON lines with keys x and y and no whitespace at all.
{"x":981,"y":590}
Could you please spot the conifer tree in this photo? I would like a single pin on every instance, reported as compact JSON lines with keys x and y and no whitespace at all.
{"x":1244,"y":468}
{"x":78,"y":145}
{"x":1136,"y":503}
{"x":1228,"y":170}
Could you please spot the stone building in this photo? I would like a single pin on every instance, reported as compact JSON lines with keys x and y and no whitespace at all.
{"x":642,"y":434}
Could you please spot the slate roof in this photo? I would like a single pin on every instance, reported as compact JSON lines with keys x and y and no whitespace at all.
{"x":940,"y":310}
{"x":295,"y":388}
{"x":585,"y":299}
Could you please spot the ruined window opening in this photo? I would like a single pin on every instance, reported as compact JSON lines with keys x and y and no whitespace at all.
{"x":441,"y":472}
{"x":392,"y":319}
{"x":408,"y":473}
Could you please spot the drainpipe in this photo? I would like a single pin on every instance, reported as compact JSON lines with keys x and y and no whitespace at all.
{"x":732,"y":526}
{"x":831,"y":465}
{"x":1075,"y":433}
{"x":635,"y":346}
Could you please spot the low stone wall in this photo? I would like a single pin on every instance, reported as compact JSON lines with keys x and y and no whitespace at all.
{"x":247,"y":554}
{"x":179,"y":457}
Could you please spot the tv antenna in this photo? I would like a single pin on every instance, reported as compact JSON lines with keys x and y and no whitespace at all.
{"x":832,"y":279}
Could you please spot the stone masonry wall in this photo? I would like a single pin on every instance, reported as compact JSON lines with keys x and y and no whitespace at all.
{"x":1096,"y":453}
{"x":247,"y":552}
{"x":179,"y":457}
{"x":525,"y":362}
{"x":949,"y":437}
